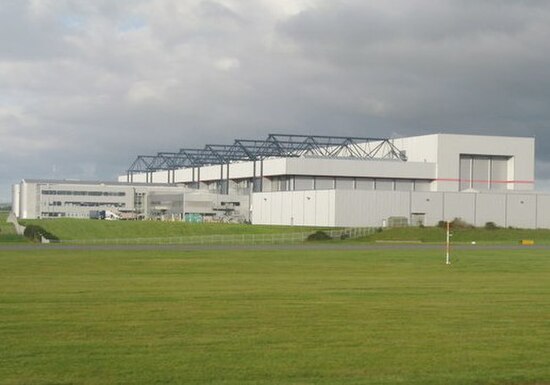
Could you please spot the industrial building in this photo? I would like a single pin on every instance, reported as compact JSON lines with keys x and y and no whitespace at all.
{"x":347,"y":181}
{"x":84,"y":199}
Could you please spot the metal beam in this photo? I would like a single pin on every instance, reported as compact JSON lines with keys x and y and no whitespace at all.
{"x":276,"y":145}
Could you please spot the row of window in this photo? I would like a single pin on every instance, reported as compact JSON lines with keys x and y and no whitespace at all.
{"x":46,"y":214}
{"x":84,"y":193}
{"x":87,"y":204}
{"x":299,"y":183}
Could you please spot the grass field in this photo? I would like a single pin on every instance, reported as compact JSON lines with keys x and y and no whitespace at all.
{"x":464,"y":235}
{"x":7,"y":231}
{"x":67,"y":229}
{"x":274,"y":317}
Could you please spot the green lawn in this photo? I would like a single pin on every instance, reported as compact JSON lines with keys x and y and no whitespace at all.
{"x":67,"y":229}
{"x":274,"y":317}
{"x":7,"y":231}
{"x":482,"y":235}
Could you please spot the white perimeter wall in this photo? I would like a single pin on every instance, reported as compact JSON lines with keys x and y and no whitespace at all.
{"x":300,"y":208}
{"x":373,"y":208}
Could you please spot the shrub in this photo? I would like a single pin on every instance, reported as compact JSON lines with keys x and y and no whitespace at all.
{"x":319,"y":236}
{"x":458,"y":223}
{"x":491,"y":226}
{"x":35,"y":233}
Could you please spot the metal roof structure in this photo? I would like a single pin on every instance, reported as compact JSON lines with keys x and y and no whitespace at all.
{"x":275,"y":146}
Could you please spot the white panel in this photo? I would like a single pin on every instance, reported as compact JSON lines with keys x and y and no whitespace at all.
{"x":490,"y":208}
{"x":360,"y":168}
{"x":240,"y":170}
{"x":211,"y":173}
{"x":160,"y":177}
{"x":429,"y":203}
{"x":276,"y":208}
{"x":186,"y":175}
{"x":521,"y":211}
{"x":459,"y":205}
{"x":15,"y":199}
{"x":392,"y":204}
{"x":309,"y":208}
{"x":286,"y":208}
{"x":272,"y":167}
{"x":139,"y":178}
{"x":322,"y":208}
{"x":298,"y":208}
{"x":332,"y":208}
{"x":543,"y":211}
{"x":24,"y":201}
{"x":369,"y":208}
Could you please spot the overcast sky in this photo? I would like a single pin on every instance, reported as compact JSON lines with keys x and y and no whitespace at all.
{"x":86,"y":85}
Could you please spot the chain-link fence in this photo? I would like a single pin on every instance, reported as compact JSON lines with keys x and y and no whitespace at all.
{"x":229,"y":239}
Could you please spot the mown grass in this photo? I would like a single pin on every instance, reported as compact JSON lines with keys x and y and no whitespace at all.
{"x":70,"y":229}
{"x":274,"y":317}
{"x":461,"y":235}
{"x":7,"y":231}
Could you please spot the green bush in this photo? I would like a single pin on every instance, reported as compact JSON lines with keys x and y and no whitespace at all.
{"x":319,"y":236}
{"x":35,"y":233}
{"x":491,"y":226}
{"x":457,"y":223}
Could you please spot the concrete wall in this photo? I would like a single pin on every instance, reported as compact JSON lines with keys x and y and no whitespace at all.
{"x":356,"y":208}
{"x":370,"y":208}
{"x":300,"y":208}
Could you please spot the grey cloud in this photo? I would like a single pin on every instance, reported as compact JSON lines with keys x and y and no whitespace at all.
{"x":86,"y":86}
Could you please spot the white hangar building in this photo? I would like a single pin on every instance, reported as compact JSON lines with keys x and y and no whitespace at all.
{"x":350,"y":181}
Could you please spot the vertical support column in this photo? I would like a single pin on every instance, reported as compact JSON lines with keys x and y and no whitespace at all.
{"x":227,"y":182}
{"x":253,"y":176}
{"x":262,"y":175}
{"x":221,"y":187}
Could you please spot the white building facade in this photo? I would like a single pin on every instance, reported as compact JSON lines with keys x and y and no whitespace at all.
{"x":38,"y":199}
{"x":339,"y":181}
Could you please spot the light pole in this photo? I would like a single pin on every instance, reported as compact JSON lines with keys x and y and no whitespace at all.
{"x":448,"y":245}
